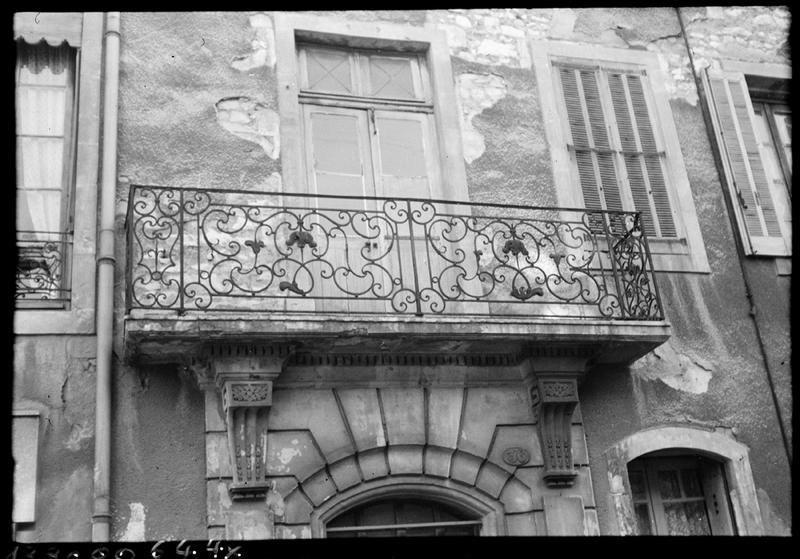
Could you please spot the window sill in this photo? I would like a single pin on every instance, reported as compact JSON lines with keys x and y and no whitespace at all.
{"x":53,"y":321}
{"x":783,"y":266}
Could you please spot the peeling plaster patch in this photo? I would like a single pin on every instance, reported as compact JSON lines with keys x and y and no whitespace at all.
{"x":677,"y":370}
{"x":276,"y":506}
{"x":250,"y":120}
{"x":79,"y":434}
{"x":286,"y":455}
{"x":562,"y":24}
{"x":477,"y":92}
{"x":134,"y":531}
{"x":263,"y":45}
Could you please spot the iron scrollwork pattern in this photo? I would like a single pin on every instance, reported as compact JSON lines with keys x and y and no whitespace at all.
{"x":41,"y":266}
{"x":218,"y":250}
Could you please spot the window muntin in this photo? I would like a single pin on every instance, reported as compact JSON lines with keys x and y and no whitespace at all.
{"x":403,"y":517}
{"x":614,"y":144}
{"x":45,"y":136}
{"x":362,"y":73}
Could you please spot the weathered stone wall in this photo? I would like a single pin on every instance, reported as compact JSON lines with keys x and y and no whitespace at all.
{"x":198,"y":109}
{"x":158,"y":456}
{"x":55,"y":375}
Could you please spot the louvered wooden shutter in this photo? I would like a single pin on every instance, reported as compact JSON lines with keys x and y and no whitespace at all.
{"x":595,"y":151}
{"x":590,"y":141}
{"x":639,"y":150}
{"x":733,"y":118}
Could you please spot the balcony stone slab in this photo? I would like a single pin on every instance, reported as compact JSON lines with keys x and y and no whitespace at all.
{"x":159,"y":336}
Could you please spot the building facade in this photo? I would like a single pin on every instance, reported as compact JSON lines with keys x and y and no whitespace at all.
{"x":445,"y":272}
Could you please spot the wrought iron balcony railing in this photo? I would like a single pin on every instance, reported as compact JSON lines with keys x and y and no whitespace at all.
{"x":242,"y":251}
{"x":41,"y":277}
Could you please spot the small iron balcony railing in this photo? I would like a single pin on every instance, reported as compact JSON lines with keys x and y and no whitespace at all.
{"x":242,"y":251}
{"x":41,"y":269}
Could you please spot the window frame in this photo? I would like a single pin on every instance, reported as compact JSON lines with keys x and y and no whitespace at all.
{"x":469,"y":499}
{"x":427,"y":42}
{"x":719,"y":446}
{"x":686,"y":253}
{"x":84,"y":31}
{"x":676,"y":460}
{"x":740,"y":70}
{"x":67,"y":190}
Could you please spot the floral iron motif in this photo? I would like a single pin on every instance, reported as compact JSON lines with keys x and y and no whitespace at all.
{"x":291,"y":286}
{"x":255,"y":245}
{"x":524,"y":293}
{"x":302,"y":238}
{"x":515,"y":247}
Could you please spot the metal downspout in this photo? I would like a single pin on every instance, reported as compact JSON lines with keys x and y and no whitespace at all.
{"x":101,"y":515}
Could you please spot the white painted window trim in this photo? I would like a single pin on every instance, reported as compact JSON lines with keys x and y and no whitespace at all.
{"x":339,"y":31}
{"x":79,"y":318}
{"x":26,"y":466}
{"x":733,"y":455}
{"x":685,"y":254}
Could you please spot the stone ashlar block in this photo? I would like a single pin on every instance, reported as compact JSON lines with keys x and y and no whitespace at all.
{"x":533,"y":477}
{"x":521,"y":524}
{"x":405,"y":459}
{"x":364,"y":416}
{"x":293,"y":532}
{"x":516,"y":496}
{"x":525,"y":437}
{"x":492,"y":479}
{"x":563,"y":516}
{"x":298,"y":509}
{"x":218,"y":463}
{"x":465,"y":467}
{"x":218,"y":501}
{"x":437,"y":461}
{"x":405,"y":417}
{"x":444,"y":415}
{"x":345,"y":473}
{"x":319,"y":487}
{"x":373,"y":463}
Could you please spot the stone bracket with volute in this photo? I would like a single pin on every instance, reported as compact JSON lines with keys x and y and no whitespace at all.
{"x":554,"y":397}
{"x":244,"y":375}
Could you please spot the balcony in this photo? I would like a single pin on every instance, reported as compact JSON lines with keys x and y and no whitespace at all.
{"x":383,"y":274}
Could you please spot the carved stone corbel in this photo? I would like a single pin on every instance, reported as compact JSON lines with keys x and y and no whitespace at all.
{"x":244,"y":374}
{"x":557,"y":398}
{"x":553,"y":383}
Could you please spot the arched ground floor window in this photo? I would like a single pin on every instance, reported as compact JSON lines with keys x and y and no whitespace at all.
{"x":402,"y":516}
{"x":682,"y":480}
{"x":409,"y":506}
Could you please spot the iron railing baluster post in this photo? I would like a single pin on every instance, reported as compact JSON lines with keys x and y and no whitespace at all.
{"x":606,"y":216}
{"x":417,"y":294}
{"x":181,"y":309}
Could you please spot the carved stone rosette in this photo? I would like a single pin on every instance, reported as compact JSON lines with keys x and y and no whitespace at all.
{"x":557,"y":399}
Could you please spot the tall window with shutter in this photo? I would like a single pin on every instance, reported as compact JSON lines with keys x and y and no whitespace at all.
{"x":45,"y":131}
{"x":754,"y":135}
{"x":614,"y":144}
